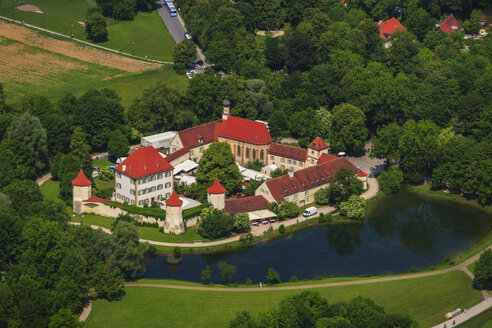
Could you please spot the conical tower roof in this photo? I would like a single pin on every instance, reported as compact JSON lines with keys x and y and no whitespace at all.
{"x":81,"y":180}
{"x":216,"y":188}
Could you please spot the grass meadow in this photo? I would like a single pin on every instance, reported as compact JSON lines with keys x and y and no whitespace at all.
{"x":151,"y":36}
{"x":426,"y":299}
{"x":483,"y":320}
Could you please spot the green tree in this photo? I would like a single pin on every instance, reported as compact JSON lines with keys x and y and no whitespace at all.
{"x":256,"y":165}
{"x":288,"y":210}
{"x":334,"y":322}
{"x":273,"y":277}
{"x":243,"y":320}
{"x":160,"y":108}
{"x":390,"y":180}
{"x":202,"y":97}
{"x":342,"y":185}
{"x":218,"y":162}
{"x":252,"y":186}
{"x":22,"y":194}
{"x":227,"y":271}
{"x":278,"y":123}
{"x":214,"y":223}
{"x":275,"y":57}
{"x":348,"y":131}
{"x":353,"y":208}
{"x":325,"y":118}
{"x":267,"y":13}
{"x":483,"y":271}
{"x":128,"y":252}
{"x":418,"y":149}
{"x":27,"y":129}
{"x":4,"y":200}
{"x":322,"y":196}
{"x":64,"y":318}
{"x":278,"y":172}
{"x":206,"y":275}
{"x":80,"y":150}
{"x":117,"y":146}
{"x":300,"y":53}
{"x":241,"y":222}
{"x":16,"y":162}
{"x":95,"y":27}
{"x":386,"y":145}
{"x":184,"y":54}
{"x":109,"y":282}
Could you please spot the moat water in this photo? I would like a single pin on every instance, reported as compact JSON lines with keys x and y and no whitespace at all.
{"x":402,"y":231}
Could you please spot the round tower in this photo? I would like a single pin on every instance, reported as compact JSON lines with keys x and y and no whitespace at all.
{"x":81,"y":191}
{"x":216,"y":195}
{"x":174,"y":215}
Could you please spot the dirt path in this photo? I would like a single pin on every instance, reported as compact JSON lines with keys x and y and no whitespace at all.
{"x":80,"y":49}
{"x":43,"y":179}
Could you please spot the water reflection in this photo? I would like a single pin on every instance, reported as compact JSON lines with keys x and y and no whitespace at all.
{"x":402,"y":231}
{"x":344,"y":238}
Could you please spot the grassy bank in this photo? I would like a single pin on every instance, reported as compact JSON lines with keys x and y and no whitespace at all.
{"x":425,"y":189}
{"x":50,"y":189}
{"x":426,"y":299}
{"x":483,"y":320}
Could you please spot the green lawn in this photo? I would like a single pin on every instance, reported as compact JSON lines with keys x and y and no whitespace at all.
{"x":426,"y":299}
{"x":483,"y":320}
{"x":132,"y":86}
{"x":50,"y":189}
{"x":93,"y":219}
{"x":425,"y":189}
{"x":151,"y":36}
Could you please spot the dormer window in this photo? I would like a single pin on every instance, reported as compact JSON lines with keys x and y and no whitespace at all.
{"x":201,"y":141}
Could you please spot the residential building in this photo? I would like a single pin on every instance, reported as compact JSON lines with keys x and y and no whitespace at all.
{"x":387,"y":28}
{"x":144,"y":177}
{"x":299,"y":186}
{"x":295,"y":158}
{"x":449,"y":25}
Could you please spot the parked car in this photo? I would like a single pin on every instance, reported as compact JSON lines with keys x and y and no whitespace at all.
{"x":310,"y":211}
{"x":188,"y":37}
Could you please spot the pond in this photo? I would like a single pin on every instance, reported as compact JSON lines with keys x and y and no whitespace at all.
{"x":402,"y":231}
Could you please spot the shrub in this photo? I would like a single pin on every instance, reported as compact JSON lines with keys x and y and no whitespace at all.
{"x":273,"y":277}
{"x":288,"y":210}
{"x":293,"y":279}
{"x":206,"y":275}
{"x":105,"y":174}
{"x":214,"y":223}
{"x":241,"y":222}
{"x":195,"y":211}
{"x":227,"y":271}
{"x":256,"y":165}
{"x":483,"y":271}
{"x":245,"y":238}
{"x":281,"y":229}
{"x":151,"y":249}
{"x":353,"y":208}
{"x":390,"y":180}
{"x":248,"y":282}
{"x":176,"y":252}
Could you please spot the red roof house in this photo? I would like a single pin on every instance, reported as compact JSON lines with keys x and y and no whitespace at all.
{"x":292,"y":152}
{"x":318,"y":144}
{"x":241,"y":129}
{"x":387,"y":28}
{"x":450,"y":24}
{"x":326,"y":158}
{"x":305,"y":179}
{"x":245,"y":204}
{"x":81,"y":180}
{"x":216,"y":188}
{"x":144,"y":162}
{"x":174,"y":200}
{"x":200,"y":134}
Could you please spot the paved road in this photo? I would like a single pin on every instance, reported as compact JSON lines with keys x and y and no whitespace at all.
{"x":173,"y":24}
{"x":43,"y":179}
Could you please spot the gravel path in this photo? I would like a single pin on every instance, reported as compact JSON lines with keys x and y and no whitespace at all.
{"x":43,"y":179}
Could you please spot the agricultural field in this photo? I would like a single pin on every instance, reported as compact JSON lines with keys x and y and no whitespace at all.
{"x":66,"y":17}
{"x":36,"y":63}
{"x":151,"y":307}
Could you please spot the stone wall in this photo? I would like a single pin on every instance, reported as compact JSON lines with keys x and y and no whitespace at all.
{"x":113,"y":212}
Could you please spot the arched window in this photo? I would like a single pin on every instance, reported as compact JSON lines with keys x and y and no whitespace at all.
{"x":238,"y":151}
{"x":262,"y":154}
{"x":254,"y":153}
{"x":247,"y":152}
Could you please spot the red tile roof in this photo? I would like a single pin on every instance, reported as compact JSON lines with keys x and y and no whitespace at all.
{"x":93,"y":199}
{"x":326,"y":158}
{"x":306,"y":178}
{"x":176,"y":154}
{"x":174,"y":200}
{"x":245,"y":204}
{"x":318,"y":144}
{"x":216,"y":188}
{"x":389,"y":27}
{"x":81,"y":180}
{"x":143,"y":162}
{"x":362,"y":174}
{"x":292,"y":152}
{"x":448,"y":23}
{"x":200,"y":134}
{"x":245,"y":130}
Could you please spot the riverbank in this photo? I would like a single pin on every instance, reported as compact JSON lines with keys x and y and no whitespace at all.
{"x":425,"y":189}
